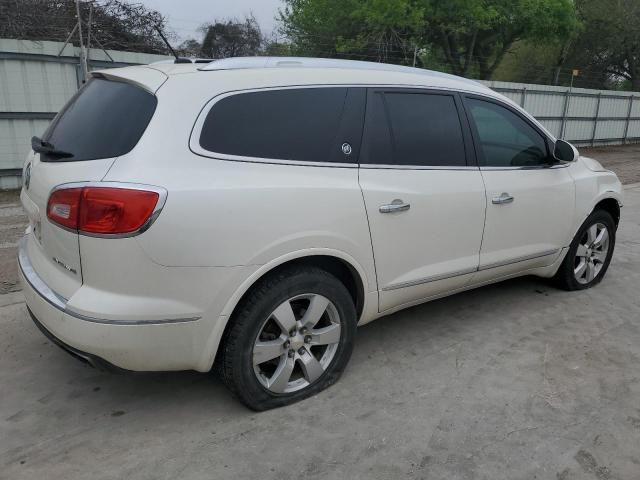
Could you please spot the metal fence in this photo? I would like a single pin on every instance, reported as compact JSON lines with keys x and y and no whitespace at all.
{"x":37,"y":78}
{"x":582,"y":116}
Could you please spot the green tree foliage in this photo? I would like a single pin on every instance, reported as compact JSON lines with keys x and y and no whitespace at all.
{"x":468,"y":37}
{"x":610,"y":40}
{"x":377,"y":30}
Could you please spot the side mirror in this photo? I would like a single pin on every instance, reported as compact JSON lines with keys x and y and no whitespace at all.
{"x":565,"y":152}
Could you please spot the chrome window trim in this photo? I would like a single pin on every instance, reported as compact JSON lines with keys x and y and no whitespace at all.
{"x":533,"y":167}
{"x":162,"y":200}
{"x":467,"y":271}
{"x":376,"y":166}
{"x":60,"y":302}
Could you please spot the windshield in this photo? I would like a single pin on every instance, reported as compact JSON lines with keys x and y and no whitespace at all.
{"x":104,"y":119}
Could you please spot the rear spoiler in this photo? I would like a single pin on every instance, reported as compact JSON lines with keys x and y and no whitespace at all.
{"x":141,"y":76}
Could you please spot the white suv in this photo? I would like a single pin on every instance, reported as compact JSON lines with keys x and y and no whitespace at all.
{"x":250,"y":213}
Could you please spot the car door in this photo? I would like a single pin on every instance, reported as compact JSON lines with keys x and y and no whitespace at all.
{"x":530,"y":197}
{"x":424,"y":196}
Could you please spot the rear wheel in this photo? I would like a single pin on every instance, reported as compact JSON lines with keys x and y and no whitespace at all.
{"x":290,"y":338}
{"x":590,"y":253}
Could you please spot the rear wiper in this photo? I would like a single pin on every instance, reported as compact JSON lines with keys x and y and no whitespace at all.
{"x":41,"y":146}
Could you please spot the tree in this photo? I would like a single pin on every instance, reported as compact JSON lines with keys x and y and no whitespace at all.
{"x":478,"y":33}
{"x":189,"y":48}
{"x":610,"y":41}
{"x":115,"y":24}
{"x":231,"y":38}
{"x":470,"y":37}
{"x":377,"y":30}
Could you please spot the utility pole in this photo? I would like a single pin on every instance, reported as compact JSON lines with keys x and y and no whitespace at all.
{"x":83,"y":56}
{"x":415,"y":55}
{"x":89,"y":36}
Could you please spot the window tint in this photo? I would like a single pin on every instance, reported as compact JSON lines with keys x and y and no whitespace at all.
{"x":104,"y":119}
{"x":424,"y":130}
{"x":295,"y":124}
{"x":376,"y":143}
{"x":506,"y":140}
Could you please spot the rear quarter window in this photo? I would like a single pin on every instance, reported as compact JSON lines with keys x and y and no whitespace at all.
{"x":299,"y":124}
{"x":104,"y":119}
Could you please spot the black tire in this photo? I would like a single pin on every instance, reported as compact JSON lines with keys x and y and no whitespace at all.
{"x":565,"y":277}
{"x":235,"y":359}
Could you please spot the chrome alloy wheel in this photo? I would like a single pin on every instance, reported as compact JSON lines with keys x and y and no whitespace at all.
{"x":296,"y":343}
{"x":591,"y":253}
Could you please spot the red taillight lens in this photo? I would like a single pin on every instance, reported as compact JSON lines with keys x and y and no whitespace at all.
{"x":63,"y":207}
{"x":102,"y":210}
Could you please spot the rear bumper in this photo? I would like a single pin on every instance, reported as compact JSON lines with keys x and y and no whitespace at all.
{"x":93,"y":360}
{"x":139,"y":345}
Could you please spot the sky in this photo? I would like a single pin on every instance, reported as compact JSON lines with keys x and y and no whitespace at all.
{"x":185,"y":16}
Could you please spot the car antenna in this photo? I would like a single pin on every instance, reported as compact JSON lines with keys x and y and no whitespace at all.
{"x":173,"y":52}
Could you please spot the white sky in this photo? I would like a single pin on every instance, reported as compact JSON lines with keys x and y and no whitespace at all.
{"x":185,"y":16}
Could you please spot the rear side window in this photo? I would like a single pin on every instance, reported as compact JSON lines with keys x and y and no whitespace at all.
{"x":506,"y":140}
{"x":104,"y":119}
{"x":421,"y":129}
{"x":292,"y":124}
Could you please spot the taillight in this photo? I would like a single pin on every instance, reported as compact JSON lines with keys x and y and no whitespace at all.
{"x":102,"y":210}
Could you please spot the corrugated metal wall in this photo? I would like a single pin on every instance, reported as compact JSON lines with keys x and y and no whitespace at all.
{"x":35,"y":82}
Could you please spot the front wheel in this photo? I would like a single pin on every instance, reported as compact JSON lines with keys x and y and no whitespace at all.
{"x":590,"y":253}
{"x":289,"y":339}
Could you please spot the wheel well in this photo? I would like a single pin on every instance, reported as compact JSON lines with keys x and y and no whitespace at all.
{"x":611,"y":206}
{"x":339,"y":268}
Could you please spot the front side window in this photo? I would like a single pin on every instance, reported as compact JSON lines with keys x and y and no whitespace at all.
{"x":505,"y":139}
{"x":292,"y":124}
{"x":104,"y":119}
{"x":406,"y":128}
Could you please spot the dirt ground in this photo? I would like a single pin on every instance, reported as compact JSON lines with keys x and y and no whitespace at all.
{"x":12,"y":224}
{"x":624,"y":160}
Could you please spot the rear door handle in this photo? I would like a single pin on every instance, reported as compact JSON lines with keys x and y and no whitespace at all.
{"x":396,"y":206}
{"x":502,"y":199}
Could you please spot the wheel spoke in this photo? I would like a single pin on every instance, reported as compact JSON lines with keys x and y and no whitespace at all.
{"x":264,"y":351}
{"x":600,"y":257}
{"x":326,"y":335}
{"x":602,"y":238}
{"x":284,"y":317}
{"x":592,"y":234}
{"x":591,"y":271}
{"x":581,"y":268}
{"x":581,"y":251}
{"x":317,"y":306}
{"x":278,"y":382}
{"x":311,"y":368}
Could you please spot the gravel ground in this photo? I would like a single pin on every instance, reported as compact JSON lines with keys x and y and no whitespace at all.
{"x":624,"y":160}
{"x":12,"y":224}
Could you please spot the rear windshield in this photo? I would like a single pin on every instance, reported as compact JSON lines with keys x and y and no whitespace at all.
{"x":104,"y":119}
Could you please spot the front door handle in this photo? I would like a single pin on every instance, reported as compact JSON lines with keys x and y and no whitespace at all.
{"x":502,"y":199}
{"x":396,"y":206}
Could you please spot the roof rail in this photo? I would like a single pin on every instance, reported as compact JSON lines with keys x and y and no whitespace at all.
{"x":184,"y":60}
{"x":308,"y":62}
